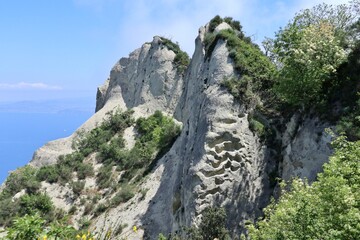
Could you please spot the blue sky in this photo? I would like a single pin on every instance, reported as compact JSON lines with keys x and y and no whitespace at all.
{"x":65,"y":48}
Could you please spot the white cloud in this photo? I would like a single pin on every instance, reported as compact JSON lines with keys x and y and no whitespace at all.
{"x":25,"y":85}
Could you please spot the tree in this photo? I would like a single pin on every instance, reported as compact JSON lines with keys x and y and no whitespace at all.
{"x":313,"y":57}
{"x":309,"y":50}
{"x":213,"y":224}
{"x":327,"y":209}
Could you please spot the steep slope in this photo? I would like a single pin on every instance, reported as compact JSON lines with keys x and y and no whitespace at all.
{"x":218,"y":160}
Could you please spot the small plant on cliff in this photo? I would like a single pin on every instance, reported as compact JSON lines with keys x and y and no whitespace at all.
{"x":212,"y":226}
{"x":254,"y":68}
{"x":181,"y":59}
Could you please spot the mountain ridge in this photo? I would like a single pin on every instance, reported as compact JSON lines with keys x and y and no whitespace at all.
{"x":217,"y":160}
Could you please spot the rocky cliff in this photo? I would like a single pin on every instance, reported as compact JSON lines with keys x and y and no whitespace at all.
{"x":216,"y":161}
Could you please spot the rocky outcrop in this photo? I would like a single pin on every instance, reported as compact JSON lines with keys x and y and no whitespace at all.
{"x":148,"y":79}
{"x":216,"y":161}
{"x":306,"y":147}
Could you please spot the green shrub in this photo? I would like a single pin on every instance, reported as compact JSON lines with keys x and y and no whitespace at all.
{"x":73,"y":209}
{"x":65,"y":173}
{"x":255,"y":70}
{"x":77,"y":187}
{"x":157,"y":134}
{"x":125,"y":194}
{"x":256,"y":126}
{"x":31,"y":227}
{"x":216,"y":21}
{"x":85,"y":170}
{"x":104,"y":177}
{"x":25,"y":228}
{"x":22,"y":178}
{"x":309,"y":51}
{"x":181,"y":59}
{"x":8,"y":210}
{"x":49,"y":174}
{"x":113,"y":152}
{"x":84,"y":223}
{"x":213,"y":224}
{"x":327,"y":209}
{"x":101,"y":207}
{"x":117,"y":121}
{"x":88,"y":208}
{"x":233,"y":23}
{"x":33,"y":203}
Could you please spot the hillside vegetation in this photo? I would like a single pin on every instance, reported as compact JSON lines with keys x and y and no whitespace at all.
{"x":117,"y":179}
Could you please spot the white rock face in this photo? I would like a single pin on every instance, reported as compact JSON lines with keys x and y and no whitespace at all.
{"x":147,"y":79}
{"x":306,"y":149}
{"x":216,"y":161}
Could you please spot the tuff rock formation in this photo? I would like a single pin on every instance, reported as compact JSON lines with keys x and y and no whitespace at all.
{"x":216,"y":161}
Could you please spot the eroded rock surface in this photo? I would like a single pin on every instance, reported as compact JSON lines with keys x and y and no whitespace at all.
{"x":216,"y":161}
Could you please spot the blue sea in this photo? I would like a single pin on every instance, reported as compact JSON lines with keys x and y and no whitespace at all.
{"x":26,"y":126}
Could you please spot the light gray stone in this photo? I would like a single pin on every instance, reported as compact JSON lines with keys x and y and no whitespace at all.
{"x":216,"y":161}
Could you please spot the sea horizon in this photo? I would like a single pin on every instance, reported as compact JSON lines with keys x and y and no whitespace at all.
{"x":28,"y":125}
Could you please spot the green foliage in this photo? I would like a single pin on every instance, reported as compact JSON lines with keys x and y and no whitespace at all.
{"x":115,"y":123}
{"x":95,"y":140}
{"x":310,"y":63}
{"x":256,"y":126}
{"x":347,"y":94}
{"x":181,"y":59}
{"x":233,"y":23}
{"x":8,"y":209}
{"x":213,"y":224}
{"x":101,"y":207}
{"x":157,"y":134}
{"x":349,"y":124}
{"x":61,"y":230}
{"x":113,"y":151}
{"x":25,"y":228}
{"x":125,"y":194}
{"x":35,"y":203}
{"x":104,"y":177}
{"x":22,"y":178}
{"x":254,"y":68}
{"x":84,"y":170}
{"x":327,"y":209}
{"x":31,"y":227}
{"x":77,"y":187}
{"x":158,"y":129}
{"x":308,"y":52}
{"x":242,"y":89}
{"x":162,"y":237}
{"x":216,"y":21}
{"x":48,"y":173}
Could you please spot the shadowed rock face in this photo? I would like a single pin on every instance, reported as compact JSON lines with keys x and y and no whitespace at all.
{"x":216,"y":161}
